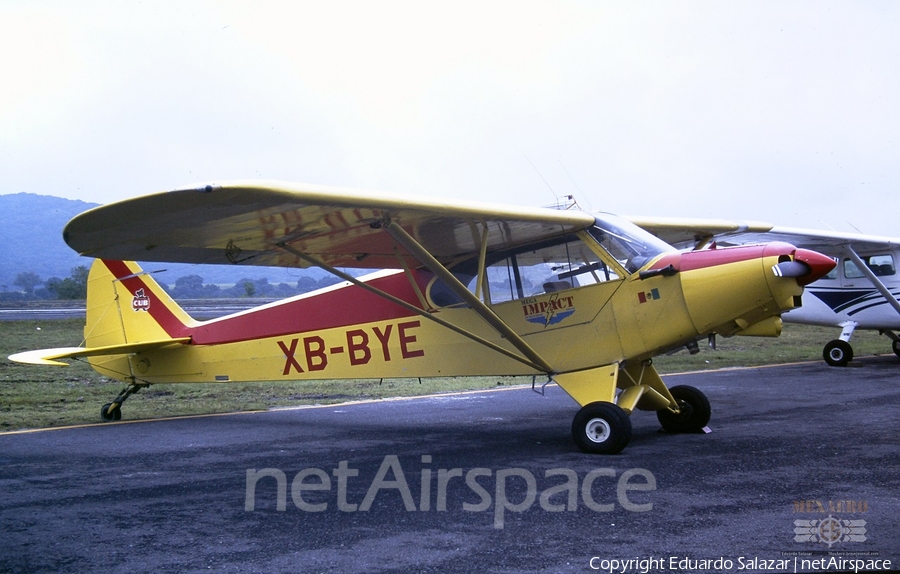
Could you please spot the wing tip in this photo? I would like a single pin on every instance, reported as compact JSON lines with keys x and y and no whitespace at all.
{"x":46,"y":357}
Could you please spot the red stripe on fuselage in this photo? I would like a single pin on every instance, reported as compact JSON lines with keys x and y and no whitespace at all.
{"x":341,"y":307}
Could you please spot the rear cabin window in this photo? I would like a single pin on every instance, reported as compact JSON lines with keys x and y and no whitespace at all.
{"x":880,"y":265}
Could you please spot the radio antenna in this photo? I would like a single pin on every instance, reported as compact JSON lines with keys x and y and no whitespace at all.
{"x":563,"y":202}
{"x":555,"y":197}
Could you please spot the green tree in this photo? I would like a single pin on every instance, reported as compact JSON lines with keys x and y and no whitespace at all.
{"x":306,"y":284}
{"x":72,"y":287}
{"x":27,"y":281}
{"x":189,"y":283}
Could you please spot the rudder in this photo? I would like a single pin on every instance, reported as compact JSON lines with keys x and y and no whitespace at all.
{"x":126,"y":305}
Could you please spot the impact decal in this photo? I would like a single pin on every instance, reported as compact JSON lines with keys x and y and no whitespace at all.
{"x":548,"y":312}
{"x":140,"y":301}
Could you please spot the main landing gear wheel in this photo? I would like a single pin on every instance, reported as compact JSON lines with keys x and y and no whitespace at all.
{"x":838,"y":353}
{"x":895,"y":346}
{"x":694,"y":411}
{"x":109,"y":414}
{"x":601,"y":428}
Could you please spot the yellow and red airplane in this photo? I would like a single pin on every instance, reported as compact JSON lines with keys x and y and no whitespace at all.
{"x":464,"y":288}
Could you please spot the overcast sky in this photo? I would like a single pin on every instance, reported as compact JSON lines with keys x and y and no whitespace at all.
{"x":787,"y":112}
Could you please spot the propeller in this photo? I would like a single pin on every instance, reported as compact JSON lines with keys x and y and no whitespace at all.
{"x":806,"y":267}
{"x":791,"y":269}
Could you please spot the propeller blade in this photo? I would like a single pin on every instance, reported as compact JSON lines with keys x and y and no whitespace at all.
{"x":791,"y":269}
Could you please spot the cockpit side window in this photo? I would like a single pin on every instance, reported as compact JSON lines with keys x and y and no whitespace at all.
{"x":553,"y":265}
{"x":565,"y":264}
{"x":608,"y":251}
{"x":880,"y":265}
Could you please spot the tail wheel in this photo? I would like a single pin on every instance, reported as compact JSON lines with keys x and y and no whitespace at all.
{"x":837,"y":353}
{"x":110,"y":414}
{"x":601,"y":428}
{"x":693,"y":407}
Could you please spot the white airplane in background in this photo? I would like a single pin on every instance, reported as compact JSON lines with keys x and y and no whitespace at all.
{"x":859,"y":293}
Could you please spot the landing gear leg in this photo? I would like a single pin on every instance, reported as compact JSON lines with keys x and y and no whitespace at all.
{"x":113,"y":411}
{"x":603,"y":425}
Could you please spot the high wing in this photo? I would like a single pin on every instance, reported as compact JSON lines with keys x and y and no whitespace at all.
{"x":686,"y":232}
{"x":270,"y":223}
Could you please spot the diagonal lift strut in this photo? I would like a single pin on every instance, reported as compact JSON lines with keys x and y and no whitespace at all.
{"x":428,"y":260}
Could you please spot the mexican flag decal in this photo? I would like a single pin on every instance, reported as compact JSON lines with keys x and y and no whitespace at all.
{"x":648,"y":296}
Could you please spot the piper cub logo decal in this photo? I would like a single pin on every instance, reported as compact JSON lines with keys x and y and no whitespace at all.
{"x":140,"y":301}
{"x":549,"y":312}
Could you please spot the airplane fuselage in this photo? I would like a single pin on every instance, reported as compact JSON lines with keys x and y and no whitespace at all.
{"x":348,"y":332}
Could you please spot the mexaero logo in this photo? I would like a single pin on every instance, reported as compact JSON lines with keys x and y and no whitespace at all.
{"x":549,"y":312}
{"x":140,"y":301}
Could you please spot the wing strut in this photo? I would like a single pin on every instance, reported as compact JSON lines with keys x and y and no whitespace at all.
{"x":428,"y":260}
{"x":876,"y":282}
{"x":423,"y":312}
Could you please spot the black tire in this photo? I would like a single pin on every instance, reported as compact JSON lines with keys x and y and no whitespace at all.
{"x":837,"y":353}
{"x":108,"y":416}
{"x":895,"y":346}
{"x":601,"y":428}
{"x":694,"y":407}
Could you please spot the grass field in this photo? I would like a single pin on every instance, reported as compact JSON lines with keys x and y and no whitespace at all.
{"x":39,"y":397}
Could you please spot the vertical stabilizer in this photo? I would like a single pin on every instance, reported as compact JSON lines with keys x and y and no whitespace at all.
{"x":125,"y":305}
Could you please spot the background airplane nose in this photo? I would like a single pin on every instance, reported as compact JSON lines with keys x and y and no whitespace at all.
{"x":819,"y":265}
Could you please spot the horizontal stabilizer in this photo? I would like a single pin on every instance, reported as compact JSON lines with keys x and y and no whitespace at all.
{"x":52,"y":356}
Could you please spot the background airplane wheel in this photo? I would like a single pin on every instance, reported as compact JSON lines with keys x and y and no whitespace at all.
{"x":895,"y":345}
{"x":601,"y":428}
{"x":695,"y":410}
{"x":837,"y":353}
{"x":108,"y":416}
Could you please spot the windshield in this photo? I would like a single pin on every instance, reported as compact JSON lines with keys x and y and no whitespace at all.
{"x":629,"y":244}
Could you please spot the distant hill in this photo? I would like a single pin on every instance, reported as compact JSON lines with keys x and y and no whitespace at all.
{"x":31,"y":236}
{"x":31,"y":240}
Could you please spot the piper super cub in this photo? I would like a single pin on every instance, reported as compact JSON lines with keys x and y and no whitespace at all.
{"x":464,"y":288}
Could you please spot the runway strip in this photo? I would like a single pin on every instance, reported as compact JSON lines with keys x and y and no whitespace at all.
{"x":466,"y":482}
{"x":354,"y":402}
